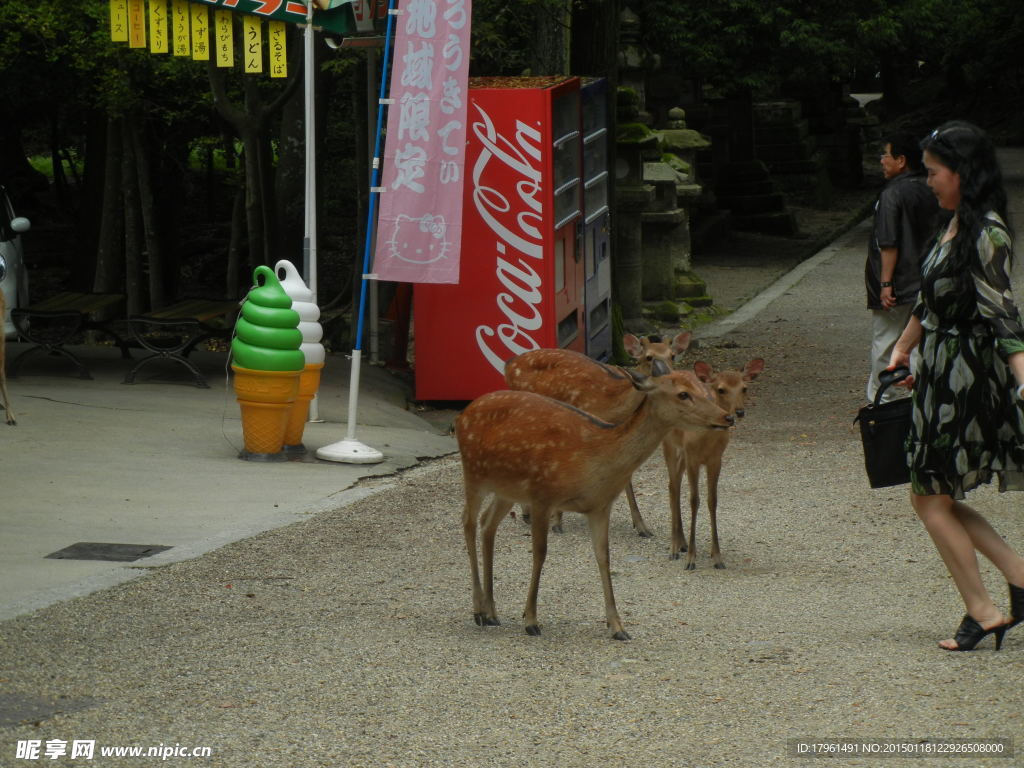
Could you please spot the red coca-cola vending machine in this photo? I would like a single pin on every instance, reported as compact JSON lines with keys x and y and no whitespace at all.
{"x":521,"y":282}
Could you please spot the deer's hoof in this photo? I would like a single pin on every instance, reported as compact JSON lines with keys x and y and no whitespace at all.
{"x":557,"y":528}
{"x":691,"y":566}
{"x":720,"y":566}
{"x":483,"y":620}
{"x":674,"y":556}
{"x":621,"y":635}
{"x":643,"y":533}
{"x":533,"y":630}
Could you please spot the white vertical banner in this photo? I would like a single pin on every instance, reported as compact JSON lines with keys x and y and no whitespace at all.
{"x":419,"y":227}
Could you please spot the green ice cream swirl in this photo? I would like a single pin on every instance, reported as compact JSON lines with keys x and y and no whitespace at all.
{"x":267,"y":337}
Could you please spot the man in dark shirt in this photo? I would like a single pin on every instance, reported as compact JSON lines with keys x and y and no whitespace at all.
{"x":906,"y":218}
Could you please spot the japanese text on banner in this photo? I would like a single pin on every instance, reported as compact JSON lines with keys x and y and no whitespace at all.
{"x":419,"y":228}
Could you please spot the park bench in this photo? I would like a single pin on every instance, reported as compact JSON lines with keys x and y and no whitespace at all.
{"x":172,"y":332}
{"x":56,"y":321}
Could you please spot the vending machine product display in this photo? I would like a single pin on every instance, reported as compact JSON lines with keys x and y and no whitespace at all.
{"x":596,"y":225}
{"x":522,"y":279}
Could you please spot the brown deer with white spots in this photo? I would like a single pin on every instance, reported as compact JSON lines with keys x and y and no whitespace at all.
{"x":606,"y":391}
{"x":3,"y":366}
{"x":546,"y":455}
{"x":688,"y":451}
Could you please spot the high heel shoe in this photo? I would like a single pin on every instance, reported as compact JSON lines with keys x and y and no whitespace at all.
{"x":970,"y":633}
{"x":1016,"y":605}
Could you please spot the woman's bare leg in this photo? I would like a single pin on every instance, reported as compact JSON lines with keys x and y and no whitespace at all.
{"x":991,"y":544}
{"x":957,"y":550}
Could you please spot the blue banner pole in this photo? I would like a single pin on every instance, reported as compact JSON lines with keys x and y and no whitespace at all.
{"x":350,"y":450}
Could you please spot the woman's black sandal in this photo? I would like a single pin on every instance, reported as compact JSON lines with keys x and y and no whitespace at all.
{"x":1016,"y":605}
{"x":970,"y":633}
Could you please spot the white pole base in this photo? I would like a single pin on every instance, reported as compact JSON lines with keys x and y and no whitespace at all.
{"x":350,"y":451}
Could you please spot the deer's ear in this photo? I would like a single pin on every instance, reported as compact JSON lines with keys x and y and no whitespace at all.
{"x":641,"y":382}
{"x":681,"y":342}
{"x":752,"y":369}
{"x":633,"y":345}
{"x":704,"y":371}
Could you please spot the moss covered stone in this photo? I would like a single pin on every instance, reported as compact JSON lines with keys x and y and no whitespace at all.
{"x":676,"y":163}
{"x":632,"y":133}
{"x":688,"y":285}
{"x":683,"y":140}
{"x":700,"y":301}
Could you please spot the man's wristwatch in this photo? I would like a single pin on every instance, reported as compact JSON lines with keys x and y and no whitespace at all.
{"x":886,"y":285}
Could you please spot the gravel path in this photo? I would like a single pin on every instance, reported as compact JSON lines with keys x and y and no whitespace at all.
{"x":348,"y":640}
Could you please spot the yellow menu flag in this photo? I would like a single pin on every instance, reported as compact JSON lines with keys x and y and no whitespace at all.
{"x":136,"y":23}
{"x":200,"y":32}
{"x":224,"y":34}
{"x":158,"y":26}
{"x":278,"y":52}
{"x":119,"y":20}
{"x":180,"y":28}
{"x":253,"y":45}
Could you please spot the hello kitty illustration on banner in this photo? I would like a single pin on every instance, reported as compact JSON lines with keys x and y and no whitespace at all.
{"x":419,"y":227}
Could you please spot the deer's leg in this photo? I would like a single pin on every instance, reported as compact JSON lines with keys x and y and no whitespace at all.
{"x":9,"y":414}
{"x":713,"y":471}
{"x":675,"y":461}
{"x":539,"y":536}
{"x":693,"y":478}
{"x":469,"y":520}
{"x":556,"y":521}
{"x":598,"y":522}
{"x":634,"y":511}
{"x":493,"y":516}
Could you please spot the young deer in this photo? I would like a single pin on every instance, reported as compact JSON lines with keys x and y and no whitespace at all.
{"x":689,"y":451}
{"x":547,"y":455}
{"x":602,"y":390}
{"x":3,"y":366}
{"x":652,"y":348}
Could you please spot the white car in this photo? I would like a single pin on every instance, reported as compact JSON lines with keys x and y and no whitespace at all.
{"x":13,"y":275}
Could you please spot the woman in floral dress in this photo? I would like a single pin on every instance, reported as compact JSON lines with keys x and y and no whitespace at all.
{"x":968,"y":414}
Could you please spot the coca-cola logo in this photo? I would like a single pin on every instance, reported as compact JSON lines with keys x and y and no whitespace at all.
{"x":514,"y":164}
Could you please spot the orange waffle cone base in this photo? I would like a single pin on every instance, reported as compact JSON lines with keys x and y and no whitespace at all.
{"x":309,"y":382}
{"x":265,"y":399}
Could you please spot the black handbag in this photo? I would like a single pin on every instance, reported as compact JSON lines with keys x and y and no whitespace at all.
{"x":883,"y":431}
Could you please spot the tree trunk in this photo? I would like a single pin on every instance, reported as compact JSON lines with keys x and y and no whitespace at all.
{"x":110,"y":249}
{"x":595,"y":39}
{"x":168,"y":164}
{"x":250,"y":124}
{"x":90,"y":209}
{"x":550,"y":54}
{"x":253,"y":196}
{"x":132,"y":222}
{"x":290,"y":183}
{"x":268,"y":212}
{"x":147,"y":208}
{"x":233,"y":286}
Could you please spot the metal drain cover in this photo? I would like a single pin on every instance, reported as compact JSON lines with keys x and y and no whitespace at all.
{"x":119,"y":553}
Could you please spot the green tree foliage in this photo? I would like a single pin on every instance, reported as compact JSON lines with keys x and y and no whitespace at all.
{"x":766,"y":47}
{"x":750,"y":45}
